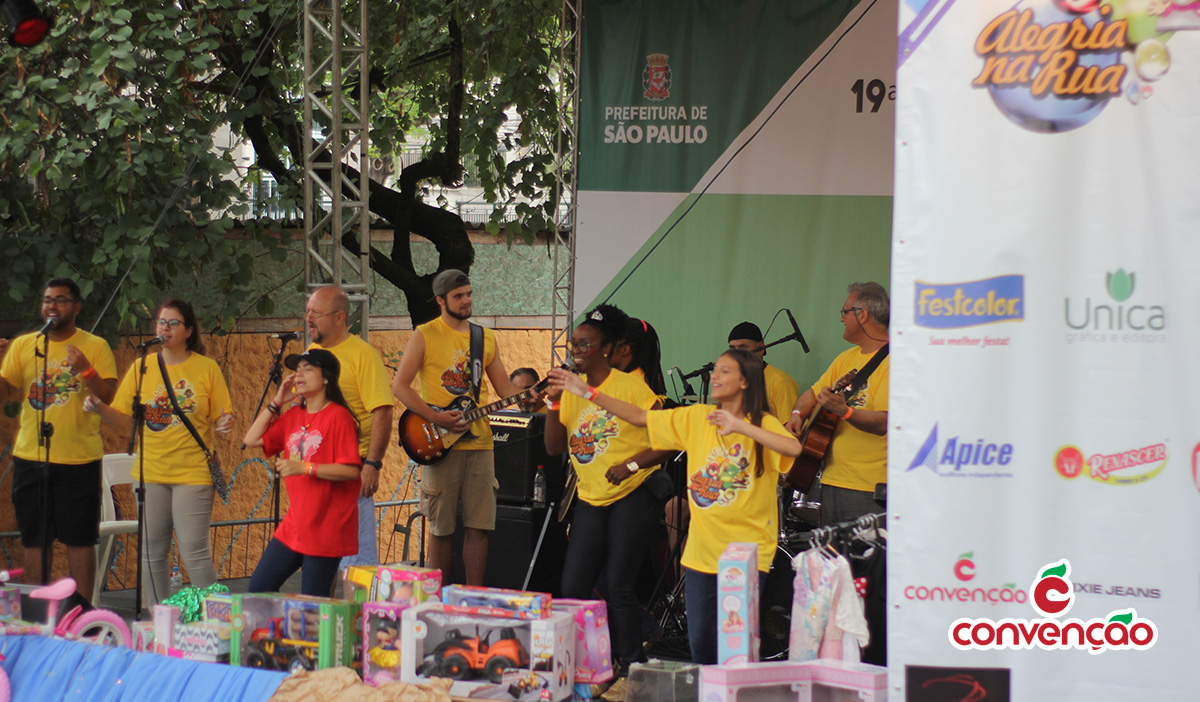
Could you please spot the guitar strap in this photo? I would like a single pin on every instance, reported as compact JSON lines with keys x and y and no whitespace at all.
{"x":476,"y":360}
{"x":860,"y":378}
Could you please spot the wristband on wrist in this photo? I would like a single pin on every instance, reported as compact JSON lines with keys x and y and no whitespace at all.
{"x":377,"y":465}
{"x":89,"y":373}
{"x":311,"y":469}
{"x":849,"y":411}
{"x":591,"y":393}
{"x":552,"y":405}
{"x":795,"y":411}
{"x":274,"y":408}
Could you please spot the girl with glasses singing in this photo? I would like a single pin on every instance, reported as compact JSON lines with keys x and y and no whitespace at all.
{"x":179,"y":487}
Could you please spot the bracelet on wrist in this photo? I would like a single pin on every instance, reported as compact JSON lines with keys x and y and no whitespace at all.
{"x":849,"y":411}
{"x":590,"y":394}
{"x":311,"y":469}
{"x":552,"y":405}
{"x":795,"y":411}
{"x":89,"y":373}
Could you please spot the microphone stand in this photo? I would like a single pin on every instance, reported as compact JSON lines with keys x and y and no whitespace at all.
{"x":45,"y":431}
{"x":274,"y":377}
{"x":138,"y":435}
{"x":705,"y":373}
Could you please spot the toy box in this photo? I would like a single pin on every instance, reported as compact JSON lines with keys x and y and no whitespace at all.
{"x":201,"y":641}
{"x":10,"y":604}
{"x":143,"y":636}
{"x":396,"y":583}
{"x":737,"y":604}
{"x":381,"y":642}
{"x":218,"y":607}
{"x":808,"y":681}
{"x":496,"y":602}
{"x":293,"y":632}
{"x":489,"y":657}
{"x":593,"y":647}
{"x":663,"y":681}
{"x":165,"y":619}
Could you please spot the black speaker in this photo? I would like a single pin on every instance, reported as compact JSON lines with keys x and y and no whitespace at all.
{"x":520,"y":450}
{"x":511,"y":547}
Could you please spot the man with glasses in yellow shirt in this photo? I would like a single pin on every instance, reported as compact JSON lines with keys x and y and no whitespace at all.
{"x":77,"y":363}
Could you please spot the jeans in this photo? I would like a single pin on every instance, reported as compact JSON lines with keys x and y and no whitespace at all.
{"x":700,"y":595}
{"x":368,"y":545}
{"x":616,"y":539}
{"x":278,"y":563}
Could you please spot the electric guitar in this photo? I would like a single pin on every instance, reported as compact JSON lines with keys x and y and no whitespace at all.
{"x":815,"y":438}
{"x":427,"y":443}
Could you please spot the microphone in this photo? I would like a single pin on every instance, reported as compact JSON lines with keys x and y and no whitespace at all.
{"x":150,"y":342}
{"x":796,"y":329}
{"x":285,"y":336}
{"x":51,"y":323}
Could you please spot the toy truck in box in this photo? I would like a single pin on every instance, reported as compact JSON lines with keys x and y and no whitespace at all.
{"x":292,"y":632}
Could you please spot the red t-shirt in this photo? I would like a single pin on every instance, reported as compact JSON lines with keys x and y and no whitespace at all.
{"x":322,"y":519}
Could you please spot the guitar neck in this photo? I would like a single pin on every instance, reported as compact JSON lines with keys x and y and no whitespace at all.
{"x":472,"y":415}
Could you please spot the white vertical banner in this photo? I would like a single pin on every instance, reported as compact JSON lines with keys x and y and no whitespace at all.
{"x":1044,"y":428}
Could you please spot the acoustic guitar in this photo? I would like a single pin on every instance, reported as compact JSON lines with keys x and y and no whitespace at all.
{"x":815,"y":439}
{"x":427,"y":443}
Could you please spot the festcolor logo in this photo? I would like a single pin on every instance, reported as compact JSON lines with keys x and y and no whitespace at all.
{"x":957,"y":305}
{"x":958,"y":458}
{"x":1128,"y":467}
{"x":1052,"y":595}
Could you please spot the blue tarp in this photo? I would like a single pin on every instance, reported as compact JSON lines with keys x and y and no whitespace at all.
{"x":46,"y":670}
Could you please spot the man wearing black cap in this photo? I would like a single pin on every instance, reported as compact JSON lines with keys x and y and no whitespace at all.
{"x":364,"y":383}
{"x":782,"y":391}
{"x":438,"y":357}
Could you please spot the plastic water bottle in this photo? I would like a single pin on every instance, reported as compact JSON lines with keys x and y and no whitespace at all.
{"x":539,"y":487}
{"x":176,"y":579}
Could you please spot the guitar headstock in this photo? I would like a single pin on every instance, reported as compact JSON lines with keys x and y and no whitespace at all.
{"x":843,"y":384}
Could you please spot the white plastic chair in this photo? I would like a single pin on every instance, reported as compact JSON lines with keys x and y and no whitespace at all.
{"x":118,"y":470}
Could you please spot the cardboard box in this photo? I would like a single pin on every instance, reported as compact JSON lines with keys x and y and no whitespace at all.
{"x":496,"y":602}
{"x":396,"y":583}
{"x":218,"y":607}
{"x":293,"y":632}
{"x":10,"y":604}
{"x":202,"y":641}
{"x":143,"y":636}
{"x":489,"y":657}
{"x":593,"y":646}
{"x":663,"y":681}
{"x":807,"y":681}
{"x":737,"y":604}
{"x":165,"y":619}
{"x":381,"y":642}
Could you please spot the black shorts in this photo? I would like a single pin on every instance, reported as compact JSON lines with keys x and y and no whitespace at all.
{"x":74,"y":504}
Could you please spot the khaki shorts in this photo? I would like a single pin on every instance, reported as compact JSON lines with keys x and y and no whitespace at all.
{"x":469,"y":476}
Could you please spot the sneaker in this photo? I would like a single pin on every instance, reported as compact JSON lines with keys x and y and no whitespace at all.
{"x":616,"y":693}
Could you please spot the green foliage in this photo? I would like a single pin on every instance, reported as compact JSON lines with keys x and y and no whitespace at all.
{"x":109,"y":168}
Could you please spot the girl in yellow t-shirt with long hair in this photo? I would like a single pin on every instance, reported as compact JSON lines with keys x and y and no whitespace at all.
{"x":620,"y":490}
{"x":736,"y":452}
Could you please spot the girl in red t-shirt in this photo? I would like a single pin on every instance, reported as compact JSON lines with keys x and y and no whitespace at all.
{"x":318,"y":439}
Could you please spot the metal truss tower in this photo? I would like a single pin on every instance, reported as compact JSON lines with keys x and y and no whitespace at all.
{"x":337,"y":118}
{"x":566,"y":145}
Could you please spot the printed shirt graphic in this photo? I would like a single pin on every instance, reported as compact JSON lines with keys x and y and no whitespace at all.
{"x":857,"y":460}
{"x":445,"y":374}
{"x":322,"y":516}
{"x":76,"y":433}
{"x":172,"y":456}
{"x":597,"y":440}
{"x":729,"y":504}
{"x":364,"y":383}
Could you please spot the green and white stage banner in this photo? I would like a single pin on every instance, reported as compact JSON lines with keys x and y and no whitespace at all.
{"x":735,"y":159}
{"x":1043,"y":446}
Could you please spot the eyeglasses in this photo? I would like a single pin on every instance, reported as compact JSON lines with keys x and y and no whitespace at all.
{"x":60,"y":300}
{"x":170,"y":323}
{"x":317,"y":315}
{"x":848,"y":310}
{"x":583,"y":346}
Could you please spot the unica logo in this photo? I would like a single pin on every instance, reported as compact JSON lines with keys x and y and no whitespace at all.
{"x":1052,"y":595}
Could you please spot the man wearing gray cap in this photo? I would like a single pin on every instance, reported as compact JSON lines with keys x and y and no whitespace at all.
{"x":438,"y":357}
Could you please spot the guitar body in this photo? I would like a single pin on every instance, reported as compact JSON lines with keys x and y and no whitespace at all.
{"x":425,"y":442}
{"x":814,"y":444}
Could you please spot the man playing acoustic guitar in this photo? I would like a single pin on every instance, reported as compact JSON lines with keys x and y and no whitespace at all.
{"x":857,"y":456}
{"x":438,"y":357}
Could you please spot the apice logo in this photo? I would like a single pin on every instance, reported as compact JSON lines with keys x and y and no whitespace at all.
{"x":1129,"y":467}
{"x":1052,"y":595}
{"x":957,"y":305}
{"x":1097,"y":321}
{"x":973,"y":458}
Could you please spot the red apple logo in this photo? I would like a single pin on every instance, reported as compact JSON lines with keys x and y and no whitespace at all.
{"x":964,"y":568}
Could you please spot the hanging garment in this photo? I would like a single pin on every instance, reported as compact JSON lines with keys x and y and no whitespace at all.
{"x":827,"y":613}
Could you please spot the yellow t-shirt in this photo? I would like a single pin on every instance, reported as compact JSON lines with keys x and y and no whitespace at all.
{"x":172,"y":456}
{"x":857,"y":460}
{"x":597,"y":440}
{"x":76,"y":437}
{"x":728,"y":502}
{"x":363,"y":380}
{"x":782,"y":392}
{"x":446,"y":375}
